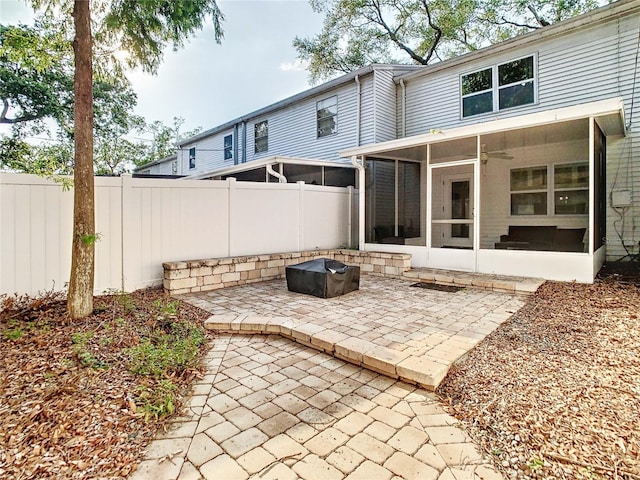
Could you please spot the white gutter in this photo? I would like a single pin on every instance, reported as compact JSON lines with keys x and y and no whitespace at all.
{"x":361,"y":181}
{"x":281,"y":178}
{"x":358,"y":105}
{"x":612,"y":106}
{"x":404,"y":108}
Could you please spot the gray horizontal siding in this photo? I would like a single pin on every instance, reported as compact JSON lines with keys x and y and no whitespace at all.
{"x":385,"y":101}
{"x":583,"y":66}
{"x":367,"y":111}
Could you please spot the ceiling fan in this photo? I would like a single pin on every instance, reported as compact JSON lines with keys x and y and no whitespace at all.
{"x":485,"y":156}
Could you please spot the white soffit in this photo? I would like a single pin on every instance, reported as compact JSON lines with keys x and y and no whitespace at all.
{"x":610,"y":111}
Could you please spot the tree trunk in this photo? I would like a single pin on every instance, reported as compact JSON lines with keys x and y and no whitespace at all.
{"x":80,"y":298}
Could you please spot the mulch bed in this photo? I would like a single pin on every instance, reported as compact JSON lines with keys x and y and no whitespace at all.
{"x":60,"y":418}
{"x":554,"y":392}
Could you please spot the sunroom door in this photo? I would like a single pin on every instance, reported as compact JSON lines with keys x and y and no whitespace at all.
{"x":452,"y":216}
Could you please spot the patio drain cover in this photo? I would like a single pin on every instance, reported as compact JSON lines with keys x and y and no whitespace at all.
{"x":439,"y":288}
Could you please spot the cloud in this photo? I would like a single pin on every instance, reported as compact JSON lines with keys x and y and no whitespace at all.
{"x":295,"y":66}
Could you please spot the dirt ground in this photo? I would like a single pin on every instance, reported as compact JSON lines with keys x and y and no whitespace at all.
{"x":70,"y":406}
{"x":554,"y":393}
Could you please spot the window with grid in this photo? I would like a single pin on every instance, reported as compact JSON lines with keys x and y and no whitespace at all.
{"x":228,"y":147}
{"x":506,"y":85}
{"x":261,"y":136}
{"x":192,"y":157}
{"x":327,"y":116}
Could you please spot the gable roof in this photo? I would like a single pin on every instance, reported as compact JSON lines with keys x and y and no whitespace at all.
{"x":317,"y":90}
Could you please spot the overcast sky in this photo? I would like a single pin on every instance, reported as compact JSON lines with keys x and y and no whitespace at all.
{"x":208,"y":84}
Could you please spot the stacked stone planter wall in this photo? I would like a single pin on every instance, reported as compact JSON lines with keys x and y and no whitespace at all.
{"x":211,"y":274}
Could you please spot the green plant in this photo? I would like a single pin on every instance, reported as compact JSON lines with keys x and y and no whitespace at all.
{"x":14,"y":333}
{"x":535,"y":464}
{"x":79,"y":341}
{"x":90,"y":238}
{"x":125,"y":300}
{"x":167,"y":309}
{"x":157,"y":401}
{"x":164,"y":353}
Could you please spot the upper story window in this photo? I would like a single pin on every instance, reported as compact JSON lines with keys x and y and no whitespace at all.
{"x":192,"y":157}
{"x":261,"y":136}
{"x":327,"y":116}
{"x":502,"y":86}
{"x":228,"y":147}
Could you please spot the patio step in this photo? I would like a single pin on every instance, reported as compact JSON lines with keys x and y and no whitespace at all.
{"x":418,"y":369}
{"x":495,"y":283}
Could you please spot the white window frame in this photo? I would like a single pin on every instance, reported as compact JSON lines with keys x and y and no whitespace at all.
{"x":550,"y":190}
{"x":256,"y":138}
{"x":334,"y":116}
{"x":192,"y":158}
{"x":226,"y":149}
{"x":495,"y":88}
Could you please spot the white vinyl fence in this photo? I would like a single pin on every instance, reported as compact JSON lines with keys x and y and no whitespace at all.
{"x":144,"y":222}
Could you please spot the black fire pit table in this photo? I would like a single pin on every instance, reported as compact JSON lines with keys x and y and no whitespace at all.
{"x":323,"y":277}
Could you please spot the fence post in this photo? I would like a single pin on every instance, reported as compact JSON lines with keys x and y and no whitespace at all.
{"x":349,"y":215}
{"x":231,"y":189}
{"x":125,"y":247}
{"x":301,"y":213}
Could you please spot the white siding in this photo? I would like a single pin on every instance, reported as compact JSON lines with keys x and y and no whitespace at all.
{"x":209,"y":154}
{"x":385,"y":106}
{"x":585,"y":65}
{"x":367,"y":111}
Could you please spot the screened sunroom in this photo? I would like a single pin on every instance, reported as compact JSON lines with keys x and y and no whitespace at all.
{"x":522,"y":196}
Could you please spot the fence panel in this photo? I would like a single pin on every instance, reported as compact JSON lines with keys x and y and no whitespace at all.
{"x":144,"y":222}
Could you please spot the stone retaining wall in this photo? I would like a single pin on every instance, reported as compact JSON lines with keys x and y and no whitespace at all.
{"x":211,"y":274}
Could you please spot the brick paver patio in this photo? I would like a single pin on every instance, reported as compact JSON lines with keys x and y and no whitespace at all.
{"x":318,"y":407}
{"x":273,"y":409}
{"x":388,"y":326}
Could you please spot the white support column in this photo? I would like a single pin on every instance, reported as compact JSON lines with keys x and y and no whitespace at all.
{"x":476,"y":204}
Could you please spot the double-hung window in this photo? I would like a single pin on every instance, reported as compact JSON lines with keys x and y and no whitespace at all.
{"x":228,"y":147}
{"x":502,"y":86}
{"x":550,"y":190}
{"x":327,"y":116}
{"x":261,"y":136}
{"x":192,"y":158}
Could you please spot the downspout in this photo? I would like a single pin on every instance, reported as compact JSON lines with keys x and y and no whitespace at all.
{"x":244,"y":142}
{"x":235,"y":144}
{"x":403,"y":129}
{"x":358,"y":105}
{"x":281,"y":178}
{"x":361,"y":182}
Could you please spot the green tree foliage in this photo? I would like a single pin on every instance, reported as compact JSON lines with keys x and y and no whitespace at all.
{"x":142,"y":29}
{"x":36,"y":81}
{"x":360,"y":32}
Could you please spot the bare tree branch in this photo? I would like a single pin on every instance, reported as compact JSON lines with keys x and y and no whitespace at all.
{"x":393,"y":36}
{"x":539,"y":19}
{"x":437,"y":29}
{"x":5,"y":119}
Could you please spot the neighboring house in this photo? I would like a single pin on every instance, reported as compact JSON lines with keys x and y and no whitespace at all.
{"x":355,"y":109}
{"x":164,"y":166}
{"x":521,"y":158}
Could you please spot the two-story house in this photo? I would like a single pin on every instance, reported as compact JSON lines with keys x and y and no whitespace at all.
{"x":297,"y":138}
{"x":520,"y":158}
